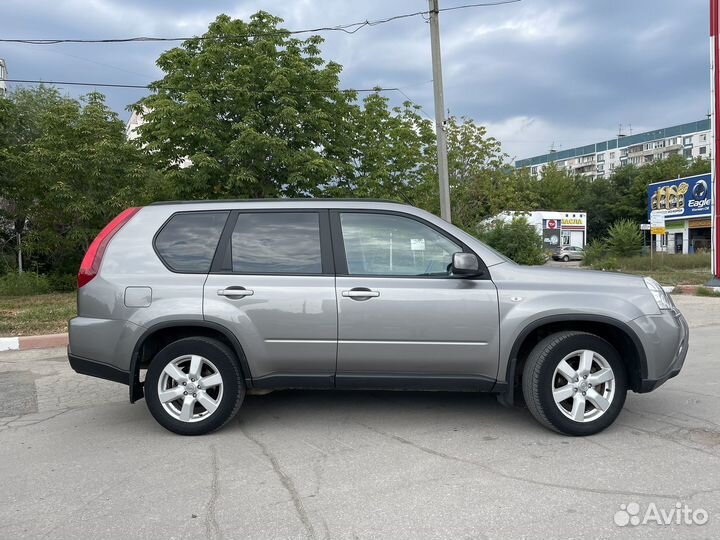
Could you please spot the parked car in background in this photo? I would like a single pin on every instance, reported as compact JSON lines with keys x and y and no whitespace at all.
{"x":193,"y":304}
{"x":568,"y":253}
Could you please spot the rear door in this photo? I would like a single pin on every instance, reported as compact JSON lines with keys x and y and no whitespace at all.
{"x":404,"y":321}
{"x":272,"y":284}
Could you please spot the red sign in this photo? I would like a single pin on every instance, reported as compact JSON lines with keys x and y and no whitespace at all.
{"x":551,"y":224}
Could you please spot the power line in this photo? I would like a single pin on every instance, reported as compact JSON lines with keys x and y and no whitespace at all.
{"x":162,"y":87}
{"x":346,"y":28}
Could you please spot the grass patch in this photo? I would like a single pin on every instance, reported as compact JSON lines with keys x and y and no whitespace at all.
{"x":28,"y":283}
{"x":663,"y":262}
{"x":705,"y":291}
{"x":34,"y":315}
{"x":665,"y":269}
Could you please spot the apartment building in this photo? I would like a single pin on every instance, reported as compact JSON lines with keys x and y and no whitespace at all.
{"x":598,"y":160}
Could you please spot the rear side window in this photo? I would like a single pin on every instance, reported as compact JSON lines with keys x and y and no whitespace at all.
{"x":277,"y":243}
{"x":187,"y":242}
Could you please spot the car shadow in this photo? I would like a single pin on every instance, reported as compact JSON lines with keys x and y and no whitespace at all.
{"x":412,"y":409}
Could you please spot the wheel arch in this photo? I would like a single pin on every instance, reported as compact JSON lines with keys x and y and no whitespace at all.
{"x":161,"y":334}
{"x":616,"y":332}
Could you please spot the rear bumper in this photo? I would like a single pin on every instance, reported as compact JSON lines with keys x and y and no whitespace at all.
{"x":98,"y":369}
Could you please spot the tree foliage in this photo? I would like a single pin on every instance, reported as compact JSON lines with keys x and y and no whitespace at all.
{"x":258,"y":115}
{"x":250,"y":110}
{"x":517,"y":239}
{"x":624,"y":238}
{"x":392,"y":153}
{"x":65,"y":170}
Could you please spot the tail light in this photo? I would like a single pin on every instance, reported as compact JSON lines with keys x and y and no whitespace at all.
{"x":93,"y":258}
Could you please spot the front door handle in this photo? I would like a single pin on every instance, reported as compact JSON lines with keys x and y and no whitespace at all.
{"x":235,"y":292}
{"x":361,"y":293}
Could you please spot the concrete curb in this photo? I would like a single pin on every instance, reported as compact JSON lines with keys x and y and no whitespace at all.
{"x":23,"y":343}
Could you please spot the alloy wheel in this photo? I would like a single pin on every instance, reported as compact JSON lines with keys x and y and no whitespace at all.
{"x":583,"y":385}
{"x":190,"y":388}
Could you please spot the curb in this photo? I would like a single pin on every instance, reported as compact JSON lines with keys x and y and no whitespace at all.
{"x":686,"y":289}
{"x":24,"y":343}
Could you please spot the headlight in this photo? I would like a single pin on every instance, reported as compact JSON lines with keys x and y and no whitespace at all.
{"x":661,"y":298}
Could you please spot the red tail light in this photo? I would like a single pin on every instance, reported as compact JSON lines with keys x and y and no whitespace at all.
{"x":91,"y":262}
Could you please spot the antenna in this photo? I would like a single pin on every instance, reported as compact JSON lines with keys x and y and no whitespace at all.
{"x":620,"y":134}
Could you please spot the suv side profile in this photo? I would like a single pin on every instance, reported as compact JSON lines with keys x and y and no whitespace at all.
{"x":194,"y":304}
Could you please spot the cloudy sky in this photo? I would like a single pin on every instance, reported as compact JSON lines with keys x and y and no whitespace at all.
{"x":537,"y":72}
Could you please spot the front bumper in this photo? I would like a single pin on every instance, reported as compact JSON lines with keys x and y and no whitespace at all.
{"x":667,"y":348}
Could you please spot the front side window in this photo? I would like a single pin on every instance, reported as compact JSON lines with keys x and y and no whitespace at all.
{"x":277,"y":243}
{"x":187,"y":242}
{"x":390,"y":245}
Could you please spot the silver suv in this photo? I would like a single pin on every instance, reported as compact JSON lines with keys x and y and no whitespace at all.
{"x":194,"y":304}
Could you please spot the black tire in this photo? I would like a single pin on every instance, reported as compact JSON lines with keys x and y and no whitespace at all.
{"x":537,"y":381}
{"x":227,"y":365}
{"x":566,"y":259}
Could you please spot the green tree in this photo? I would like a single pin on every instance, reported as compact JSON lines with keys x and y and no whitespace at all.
{"x":471,"y":152}
{"x":22,"y":116}
{"x":482,"y":184}
{"x":558,"y":189}
{"x":68,"y":175}
{"x":257,"y":113}
{"x":624,"y":194}
{"x":624,"y":238}
{"x":392,"y":155}
{"x":517,"y":239}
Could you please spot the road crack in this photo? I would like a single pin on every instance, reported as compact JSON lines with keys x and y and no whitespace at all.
{"x":508,"y":476}
{"x":212,"y":529}
{"x":286,"y":482}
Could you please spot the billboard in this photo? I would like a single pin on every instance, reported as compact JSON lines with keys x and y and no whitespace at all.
{"x":682,"y":198}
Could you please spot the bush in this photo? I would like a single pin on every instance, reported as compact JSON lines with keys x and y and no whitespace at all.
{"x":624,"y":238}
{"x":517,"y":239}
{"x":25,"y":284}
{"x":594,"y":252}
{"x":63,"y":282}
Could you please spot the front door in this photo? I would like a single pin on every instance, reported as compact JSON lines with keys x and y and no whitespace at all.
{"x":678,"y":242}
{"x":274,"y":288}
{"x":403,"y":320}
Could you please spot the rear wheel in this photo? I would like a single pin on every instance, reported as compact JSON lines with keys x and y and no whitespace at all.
{"x":194,"y":386}
{"x":574,"y":383}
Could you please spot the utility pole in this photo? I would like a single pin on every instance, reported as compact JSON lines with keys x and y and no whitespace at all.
{"x":439,"y":112}
{"x":3,"y":76}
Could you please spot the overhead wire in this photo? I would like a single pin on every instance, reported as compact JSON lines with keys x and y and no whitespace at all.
{"x":350,"y":28}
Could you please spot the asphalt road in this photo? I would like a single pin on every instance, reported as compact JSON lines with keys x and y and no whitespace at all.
{"x":78,"y":461}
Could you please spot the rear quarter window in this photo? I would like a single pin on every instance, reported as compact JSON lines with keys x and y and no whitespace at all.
{"x":187,"y":241}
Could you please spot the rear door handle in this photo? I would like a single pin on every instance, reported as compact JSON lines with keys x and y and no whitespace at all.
{"x":235,"y":292}
{"x":361,"y":292}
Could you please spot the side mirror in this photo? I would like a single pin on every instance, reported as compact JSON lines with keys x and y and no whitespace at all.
{"x":465,"y":264}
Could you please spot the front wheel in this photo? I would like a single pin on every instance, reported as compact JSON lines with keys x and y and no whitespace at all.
{"x":194,"y":386}
{"x":574,"y":383}
{"x":566,"y":259}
